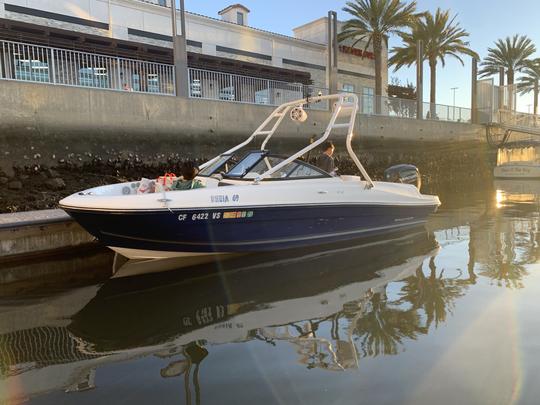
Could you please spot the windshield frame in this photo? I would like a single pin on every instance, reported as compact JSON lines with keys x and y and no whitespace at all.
{"x":215,"y":166}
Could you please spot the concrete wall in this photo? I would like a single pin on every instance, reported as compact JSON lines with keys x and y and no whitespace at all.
{"x":45,"y":124}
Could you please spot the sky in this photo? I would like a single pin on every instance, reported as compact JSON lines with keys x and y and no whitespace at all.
{"x":485,"y":20}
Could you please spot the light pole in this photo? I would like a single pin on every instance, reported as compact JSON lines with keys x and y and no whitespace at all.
{"x":454,"y":103}
{"x":179,"y":50}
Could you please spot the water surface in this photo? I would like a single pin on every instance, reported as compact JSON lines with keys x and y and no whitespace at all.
{"x":447,"y":314}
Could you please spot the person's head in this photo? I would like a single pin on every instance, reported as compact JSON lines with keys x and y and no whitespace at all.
{"x":328,"y":148}
{"x":189,"y":170}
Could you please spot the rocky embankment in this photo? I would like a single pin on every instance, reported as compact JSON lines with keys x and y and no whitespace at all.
{"x":41,"y":187}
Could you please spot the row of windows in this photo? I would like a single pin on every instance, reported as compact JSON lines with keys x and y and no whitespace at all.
{"x":38,"y":71}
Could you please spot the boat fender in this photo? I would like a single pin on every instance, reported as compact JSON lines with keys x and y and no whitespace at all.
{"x":298,"y":114}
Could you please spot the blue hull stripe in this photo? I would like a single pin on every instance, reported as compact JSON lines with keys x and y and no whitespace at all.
{"x":274,"y":241}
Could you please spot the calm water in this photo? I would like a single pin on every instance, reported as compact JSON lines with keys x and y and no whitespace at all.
{"x":447,"y":315}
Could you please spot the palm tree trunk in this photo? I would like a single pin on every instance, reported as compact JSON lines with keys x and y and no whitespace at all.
{"x":535,"y":100}
{"x":432,"y":88}
{"x":510,"y":99}
{"x":377,"y":50}
{"x":510,"y":76}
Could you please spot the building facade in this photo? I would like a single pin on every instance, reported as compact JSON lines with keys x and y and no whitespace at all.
{"x":141,"y":29}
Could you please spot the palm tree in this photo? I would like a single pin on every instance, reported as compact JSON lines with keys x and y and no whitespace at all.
{"x":373,"y":21}
{"x":442,"y":37}
{"x":511,"y":54}
{"x":529,"y":81}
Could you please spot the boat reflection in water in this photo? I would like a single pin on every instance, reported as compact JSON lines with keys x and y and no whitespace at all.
{"x":330,"y":306}
{"x":507,"y":238}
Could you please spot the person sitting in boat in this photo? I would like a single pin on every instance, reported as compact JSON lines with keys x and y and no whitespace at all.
{"x":188,"y":181}
{"x":325,"y":161}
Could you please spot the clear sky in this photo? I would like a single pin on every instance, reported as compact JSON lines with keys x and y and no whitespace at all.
{"x":485,"y":20}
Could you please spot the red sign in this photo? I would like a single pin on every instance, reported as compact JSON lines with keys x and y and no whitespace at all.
{"x":356,"y":52}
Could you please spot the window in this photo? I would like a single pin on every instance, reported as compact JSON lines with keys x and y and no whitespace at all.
{"x":263,"y":96}
{"x":349,"y":88}
{"x":162,"y":3}
{"x":153,"y":83}
{"x":94,"y":77}
{"x":240,"y":18}
{"x":217,"y":166}
{"x":304,"y":171}
{"x":227,"y":93}
{"x":243,"y":166}
{"x":31,"y":69}
{"x":367,"y":100}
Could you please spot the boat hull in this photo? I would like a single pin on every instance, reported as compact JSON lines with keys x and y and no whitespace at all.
{"x":167,"y":233}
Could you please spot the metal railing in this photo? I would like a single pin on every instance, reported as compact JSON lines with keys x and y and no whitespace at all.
{"x":162,"y":3}
{"x":518,"y":119}
{"x":405,"y":108}
{"x":211,"y":85}
{"x":42,"y":64}
{"x":444,"y":112}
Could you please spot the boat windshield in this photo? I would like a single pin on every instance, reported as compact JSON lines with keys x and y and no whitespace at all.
{"x":221,"y":164}
{"x":256,"y":163}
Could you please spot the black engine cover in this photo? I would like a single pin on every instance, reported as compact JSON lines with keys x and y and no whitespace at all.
{"x":404,"y":173}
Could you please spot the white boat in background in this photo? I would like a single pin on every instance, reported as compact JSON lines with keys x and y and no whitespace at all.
{"x":264,"y":201}
{"x":517,"y":170}
{"x":518,"y":163}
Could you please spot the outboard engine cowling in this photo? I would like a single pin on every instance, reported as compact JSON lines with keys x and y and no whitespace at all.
{"x":404,"y":173}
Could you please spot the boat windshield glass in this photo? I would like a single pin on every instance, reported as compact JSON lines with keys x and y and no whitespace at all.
{"x":244,"y":166}
{"x":257,"y":163}
{"x":219,"y":165}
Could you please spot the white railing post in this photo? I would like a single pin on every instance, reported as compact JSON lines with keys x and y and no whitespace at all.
{"x":53,"y":67}
{"x":189,"y":82}
{"x":173,"y":74}
{"x":2,"y":60}
{"x":119,"y":74}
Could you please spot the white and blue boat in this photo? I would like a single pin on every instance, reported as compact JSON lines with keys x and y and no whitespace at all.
{"x":262,"y":202}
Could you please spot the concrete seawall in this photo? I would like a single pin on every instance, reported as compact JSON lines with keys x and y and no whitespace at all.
{"x":45,"y":124}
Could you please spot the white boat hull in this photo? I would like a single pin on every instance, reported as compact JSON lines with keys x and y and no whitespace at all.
{"x":517,"y":171}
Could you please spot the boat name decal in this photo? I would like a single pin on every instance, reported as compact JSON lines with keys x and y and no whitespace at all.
{"x":223,"y":198}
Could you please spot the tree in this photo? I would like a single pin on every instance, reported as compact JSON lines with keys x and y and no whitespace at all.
{"x":529,"y":81}
{"x":511,"y":54}
{"x":442,"y":36}
{"x":401,"y":98}
{"x":373,"y":21}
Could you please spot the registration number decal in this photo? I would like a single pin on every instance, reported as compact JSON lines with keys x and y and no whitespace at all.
{"x":208,"y":216}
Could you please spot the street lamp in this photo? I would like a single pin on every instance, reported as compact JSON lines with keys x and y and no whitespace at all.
{"x":454,"y":103}
{"x":179,"y":50}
